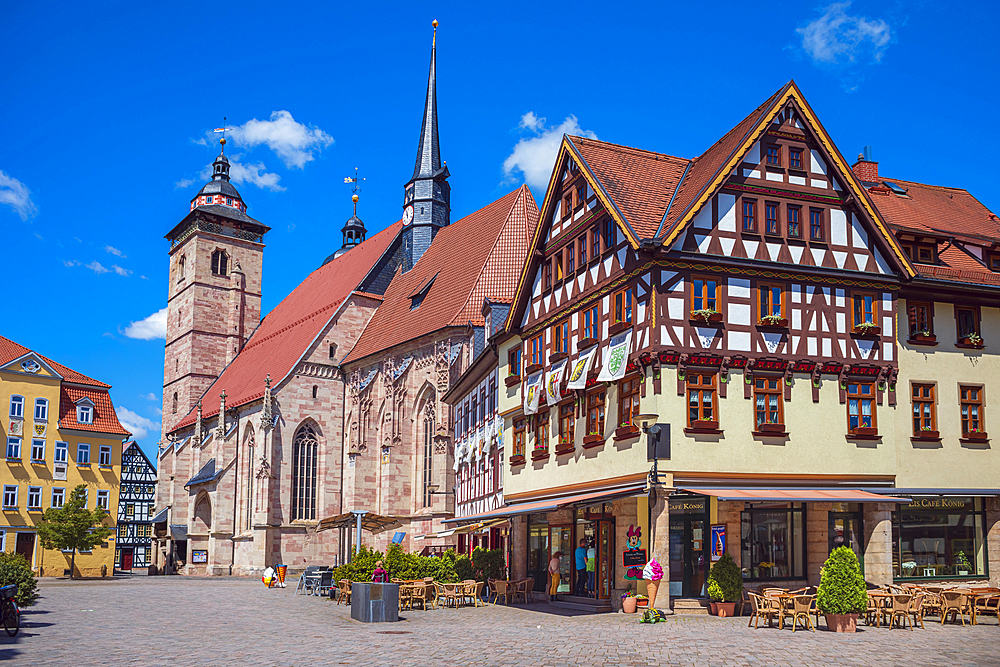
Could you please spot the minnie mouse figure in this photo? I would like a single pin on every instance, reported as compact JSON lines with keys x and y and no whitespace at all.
{"x":633,"y":542}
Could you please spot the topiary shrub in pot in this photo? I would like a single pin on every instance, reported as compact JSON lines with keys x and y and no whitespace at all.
{"x":725,"y":586}
{"x":842,"y":594}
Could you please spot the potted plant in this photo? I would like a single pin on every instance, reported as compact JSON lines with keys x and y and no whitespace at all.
{"x":866,"y":329}
{"x":963,"y":564}
{"x":628,"y":600}
{"x":725,"y":586}
{"x":975,"y":433}
{"x":641,"y":600}
{"x":652,"y":573}
{"x":773,"y":321}
{"x":592,"y":438}
{"x":842,"y":594}
{"x":707,"y":314}
{"x":972,"y":340}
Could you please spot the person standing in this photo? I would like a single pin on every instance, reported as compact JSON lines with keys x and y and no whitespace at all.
{"x":591,"y":570}
{"x":581,"y":568}
{"x":554,"y":575}
{"x":380,"y":576}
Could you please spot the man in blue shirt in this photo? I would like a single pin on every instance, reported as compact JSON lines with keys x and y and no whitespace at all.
{"x":581,"y":568}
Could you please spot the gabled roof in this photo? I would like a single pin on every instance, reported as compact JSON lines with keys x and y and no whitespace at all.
{"x":288,"y":330}
{"x":939,"y":211}
{"x":9,"y":350}
{"x":138,"y":450}
{"x":476,"y":257}
{"x":104,"y":418}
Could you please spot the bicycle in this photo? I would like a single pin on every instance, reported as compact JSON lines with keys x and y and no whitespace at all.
{"x":10,"y":614}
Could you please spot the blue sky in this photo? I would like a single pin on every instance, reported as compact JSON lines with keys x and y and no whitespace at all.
{"x":108,"y":107}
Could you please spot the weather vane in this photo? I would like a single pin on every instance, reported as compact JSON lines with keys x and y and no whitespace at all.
{"x":222,"y":129}
{"x":356,"y":180}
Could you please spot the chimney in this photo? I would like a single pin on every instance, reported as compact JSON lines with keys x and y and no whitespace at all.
{"x":865,"y":168}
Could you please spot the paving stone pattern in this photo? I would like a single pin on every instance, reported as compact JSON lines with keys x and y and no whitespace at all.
{"x":226,"y":621}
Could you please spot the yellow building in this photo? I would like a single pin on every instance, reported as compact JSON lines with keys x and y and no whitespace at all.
{"x":60,"y":430}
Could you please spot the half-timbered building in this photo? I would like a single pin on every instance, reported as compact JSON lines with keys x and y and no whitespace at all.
{"x":136,"y":495}
{"x":742,"y":306}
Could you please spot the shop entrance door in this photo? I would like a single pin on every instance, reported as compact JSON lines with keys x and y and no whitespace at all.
{"x":538,"y":556}
{"x":25,"y":545}
{"x":688,"y":547}
{"x":561,"y":539}
{"x":844,"y":530}
{"x":605,"y":571}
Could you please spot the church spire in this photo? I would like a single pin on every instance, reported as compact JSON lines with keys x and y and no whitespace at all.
{"x":429,"y":148}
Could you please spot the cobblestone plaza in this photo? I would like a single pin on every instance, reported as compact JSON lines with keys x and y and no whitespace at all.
{"x":214,"y":621}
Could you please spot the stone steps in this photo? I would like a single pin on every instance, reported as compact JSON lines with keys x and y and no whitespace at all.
{"x":689,"y":606}
{"x":583,"y":604}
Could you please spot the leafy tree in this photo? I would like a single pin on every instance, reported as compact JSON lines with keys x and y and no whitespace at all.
{"x":15,"y":569}
{"x":73,"y":527}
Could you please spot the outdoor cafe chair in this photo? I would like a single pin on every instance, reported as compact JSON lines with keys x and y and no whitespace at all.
{"x":762,"y":608}
{"x":417,"y":593}
{"x":899,"y":611}
{"x":306,"y":578}
{"x":954,"y":604}
{"x":344,"y":591}
{"x":988,"y":600}
{"x":405,"y":596}
{"x":800,"y":610}
{"x":522,"y":588}
{"x":917,"y":609}
{"x":501,"y":588}
{"x":467,"y":591}
{"x":323,"y":582}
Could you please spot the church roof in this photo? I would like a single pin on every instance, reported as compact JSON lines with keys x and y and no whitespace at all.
{"x":477,"y":257}
{"x":288,"y":330}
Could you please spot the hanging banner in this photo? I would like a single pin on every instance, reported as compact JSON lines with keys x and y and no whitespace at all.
{"x":15,"y":428}
{"x":578,"y":373}
{"x":531,"y":395}
{"x":617,"y":358}
{"x":552,"y":380}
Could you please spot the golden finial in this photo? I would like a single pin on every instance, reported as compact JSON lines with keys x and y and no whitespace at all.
{"x":434,"y":23}
{"x":354,"y":198}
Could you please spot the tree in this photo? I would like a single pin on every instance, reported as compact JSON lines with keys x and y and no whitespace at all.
{"x":73,"y":527}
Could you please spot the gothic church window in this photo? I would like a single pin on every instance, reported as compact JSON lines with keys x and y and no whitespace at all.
{"x":220,"y":263}
{"x":428,"y":453}
{"x":304,"y":449}
{"x":175,"y":402}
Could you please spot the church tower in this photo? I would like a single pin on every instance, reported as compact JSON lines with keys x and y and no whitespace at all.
{"x":427,"y":196}
{"x":214,"y":291}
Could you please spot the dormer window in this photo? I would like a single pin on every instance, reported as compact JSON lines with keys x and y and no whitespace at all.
{"x":84,"y":414}
{"x":995,"y":262}
{"x":220,"y":263}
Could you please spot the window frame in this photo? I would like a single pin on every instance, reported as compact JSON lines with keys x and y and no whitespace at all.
{"x":772,"y":155}
{"x":768,"y":391}
{"x":977,"y":322}
{"x":536,"y":347}
{"x":607,"y":235}
{"x":14,"y":447}
{"x":622,"y":303}
{"x":514,"y":360}
{"x":597,"y":411}
{"x":979,"y":402}
{"x":860,"y":396}
{"x":560,"y":337}
{"x":547,"y":276}
{"x":542,"y":430}
{"x":20,"y":403}
{"x":772,"y":207}
{"x":704,"y":280}
{"x":796,"y":525}
{"x":35,"y":491}
{"x":520,"y":436}
{"x":701,"y":387}
{"x":36,"y":447}
{"x":792,"y":150}
{"x":10,"y":492}
{"x":629,"y":392}
{"x":855,"y":311}
{"x":84,"y":414}
{"x":593,"y":314}
{"x":567,"y":424}
{"x":769,"y":289}
{"x":219,"y":262}
{"x":102,"y":450}
{"x":913,"y":317}
{"x":82,"y":447}
{"x":41,"y":412}
{"x":60,"y":493}
{"x":821,"y":226}
{"x":61,"y":446}
{"x":106,"y":496}
{"x":559,"y":273}
{"x":581,"y":250}
{"x":923,"y":404}
{"x":595,"y":242}
{"x":797,"y":209}
{"x":748,"y":216}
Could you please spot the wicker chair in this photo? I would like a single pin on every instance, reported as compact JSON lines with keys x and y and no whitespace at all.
{"x":503,"y":588}
{"x":917,"y":609}
{"x":418,"y":593}
{"x":522,"y":589}
{"x":344,"y":591}
{"x":955,"y":604}
{"x":900,"y":610}
{"x":801,"y":608}
{"x":762,"y":608}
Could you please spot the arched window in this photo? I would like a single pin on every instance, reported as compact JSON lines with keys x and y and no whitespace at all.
{"x":41,"y":409}
{"x":180,"y":267}
{"x":203,"y":514}
{"x":220,"y":263}
{"x":175,"y":402}
{"x":304,"y":449}
{"x":428,"y":452}
{"x":249,"y":443}
{"x":315,"y":391}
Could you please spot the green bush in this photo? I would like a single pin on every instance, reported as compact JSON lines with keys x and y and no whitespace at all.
{"x":842,"y":588}
{"x":488,"y":564}
{"x":446,"y":568}
{"x":725,"y":580}
{"x":15,"y":569}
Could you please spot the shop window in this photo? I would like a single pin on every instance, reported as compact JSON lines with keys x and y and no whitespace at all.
{"x":535,"y":345}
{"x":621,"y":304}
{"x":972,"y":410}
{"x":861,"y":408}
{"x":816,"y":227}
{"x":519,"y":431}
{"x":701,"y":400}
{"x":864,"y":309}
{"x":770,"y":306}
{"x":938,"y":537}
{"x":772,"y":539}
{"x":591,"y":321}
{"x":794,"y":228}
{"x":921,"y":320}
{"x":924,"y":412}
{"x":704,"y":295}
{"x":560,"y":337}
{"x":514,"y":361}
{"x":567,"y":425}
{"x":542,"y":431}
{"x":768,"y":401}
{"x":967,"y":318}
{"x":628,"y":402}
{"x":771,"y":218}
{"x":595,"y":412}
{"x":750,"y":215}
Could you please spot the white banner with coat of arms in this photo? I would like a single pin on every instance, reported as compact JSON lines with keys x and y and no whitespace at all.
{"x":552,"y":381}
{"x":531,"y":395}
{"x":16,"y":428}
{"x":617,"y":358}
{"x":578,"y":373}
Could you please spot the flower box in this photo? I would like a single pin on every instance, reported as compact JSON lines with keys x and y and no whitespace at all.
{"x":626,"y":431}
{"x":773,"y":324}
{"x":865,"y":431}
{"x":586,"y":343}
{"x":619,"y":327}
{"x":703,"y":317}
{"x":867,"y":330}
{"x":517,"y":459}
{"x":564,"y":447}
{"x":972,"y":342}
{"x":927,"y":435}
{"x":532,"y":368}
{"x":511,"y":380}
{"x":540,"y":454}
{"x":705,"y":424}
{"x":592,"y":440}
{"x":922,"y":339}
{"x":771,"y":428}
{"x":557,"y":356}
{"x":976,"y":435}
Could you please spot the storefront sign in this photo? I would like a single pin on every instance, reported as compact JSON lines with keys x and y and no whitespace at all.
{"x":633,"y":554}
{"x":199,"y":555}
{"x":634,"y":558}
{"x":692,"y":505}
{"x":941,"y":504}
{"x":718,"y":542}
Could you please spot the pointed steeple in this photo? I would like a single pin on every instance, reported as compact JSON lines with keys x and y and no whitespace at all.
{"x":429,"y":148}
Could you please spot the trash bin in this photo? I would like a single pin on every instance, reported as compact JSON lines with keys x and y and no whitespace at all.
{"x":374,"y":603}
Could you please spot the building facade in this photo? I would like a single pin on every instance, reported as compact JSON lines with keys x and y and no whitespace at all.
{"x":61,"y":431}
{"x":136,"y":495}
{"x":765,"y":311}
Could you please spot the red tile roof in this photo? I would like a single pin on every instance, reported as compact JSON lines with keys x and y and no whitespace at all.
{"x":9,"y":350}
{"x":105,"y":419}
{"x":282,"y":338}
{"x":477,"y":257}
{"x":640,"y":183}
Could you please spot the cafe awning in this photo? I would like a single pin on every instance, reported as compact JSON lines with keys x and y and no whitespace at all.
{"x":799,"y":495}
{"x":375,"y":523}
{"x":549,"y":505}
{"x":440,"y":533}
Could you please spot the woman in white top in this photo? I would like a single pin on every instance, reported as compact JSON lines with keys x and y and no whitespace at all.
{"x":554,"y":574}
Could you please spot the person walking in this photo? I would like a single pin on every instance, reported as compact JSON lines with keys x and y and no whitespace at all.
{"x":581,"y":568}
{"x":554,"y":575}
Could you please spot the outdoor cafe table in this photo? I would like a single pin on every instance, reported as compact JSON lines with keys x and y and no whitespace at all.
{"x":881,"y":598}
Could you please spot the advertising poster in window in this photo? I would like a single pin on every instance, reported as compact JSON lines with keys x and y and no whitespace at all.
{"x":199,"y":555}
{"x":718,"y":542}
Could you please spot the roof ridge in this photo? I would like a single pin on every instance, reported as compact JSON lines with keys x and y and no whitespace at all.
{"x":924,"y":185}
{"x":629,"y":148}
{"x":756,"y":112}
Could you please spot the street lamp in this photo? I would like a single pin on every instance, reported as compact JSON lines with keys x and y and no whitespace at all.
{"x":433,"y":490}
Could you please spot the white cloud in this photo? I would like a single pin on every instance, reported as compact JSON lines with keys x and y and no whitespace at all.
{"x":115,"y":251}
{"x":71,"y":263}
{"x":148,"y":328}
{"x":139,"y":426}
{"x":837,"y":38}
{"x":290,"y":140}
{"x":125,"y":273}
{"x":534,"y":156}
{"x":255,"y":174}
{"x":15,"y":194}
{"x":150,"y":396}
{"x":185,"y":183}
{"x":96,"y":267}
{"x":108,"y":334}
